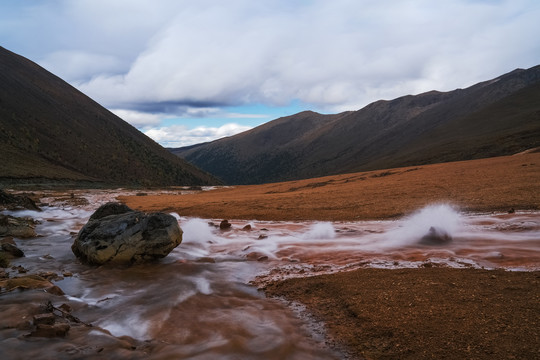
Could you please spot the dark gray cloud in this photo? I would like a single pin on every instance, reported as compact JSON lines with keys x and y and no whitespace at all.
{"x":338,"y":54}
{"x":178,"y":108}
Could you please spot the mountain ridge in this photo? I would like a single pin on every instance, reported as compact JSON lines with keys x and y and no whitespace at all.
{"x":491,"y":118}
{"x":52,"y":132}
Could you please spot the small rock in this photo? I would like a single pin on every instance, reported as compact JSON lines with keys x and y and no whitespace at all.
{"x":55,"y":290}
{"x":49,"y":275}
{"x":436,"y":236}
{"x":7,"y":240}
{"x":29,"y":282}
{"x":16,"y":202}
{"x":65,"y":307}
{"x":47,"y":318}
{"x":262,"y":236}
{"x":12,"y":249}
{"x":256,"y":256}
{"x":17,"y":227}
{"x":24,"y":325}
{"x":206,"y":259}
{"x":247,"y":227}
{"x":67,"y":274}
{"x":511,"y":211}
{"x":225,"y":225}
{"x":51,"y":331}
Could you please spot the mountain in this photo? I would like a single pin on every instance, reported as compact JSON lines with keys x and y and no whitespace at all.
{"x":51,"y":132}
{"x":492,"y":118}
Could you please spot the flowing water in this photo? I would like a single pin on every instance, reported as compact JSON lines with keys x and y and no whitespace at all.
{"x":201,"y":301}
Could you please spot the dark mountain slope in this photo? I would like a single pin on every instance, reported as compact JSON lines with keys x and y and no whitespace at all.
{"x":51,"y":131}
{"x":263,"y":154}
{"x":508,"y":126}
{"x":492,"y":118}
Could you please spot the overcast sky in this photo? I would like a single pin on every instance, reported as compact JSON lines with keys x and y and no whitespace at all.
{"x":185,"y":72}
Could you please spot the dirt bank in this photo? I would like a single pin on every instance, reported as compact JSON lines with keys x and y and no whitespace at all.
{"x":491,"y":184}
{"x":430,"y":313}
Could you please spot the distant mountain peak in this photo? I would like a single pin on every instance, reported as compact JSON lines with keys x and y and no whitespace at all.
{"x":495,"y":117}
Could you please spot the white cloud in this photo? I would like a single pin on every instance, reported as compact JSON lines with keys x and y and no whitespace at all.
{"x":77,"y":65}
{"x":246,"y":116}
{"x":323,"y":53}
{"x":138,"y":119}
{"x":169,"y":56}
{"x":180,"y":135}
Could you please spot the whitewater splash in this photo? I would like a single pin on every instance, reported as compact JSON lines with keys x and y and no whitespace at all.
{"x":461,"y":240}
{"x":442,"y":219}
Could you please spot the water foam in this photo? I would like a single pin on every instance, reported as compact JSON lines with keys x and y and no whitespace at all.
{"x":197,"y":231}
{"x":443,"y":217}
{"x":320,"y":231}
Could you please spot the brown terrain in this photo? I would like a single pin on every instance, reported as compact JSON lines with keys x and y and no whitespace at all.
{"x":427,"y":313}
{"x":434,"y":313}
{"x":490,"y":184}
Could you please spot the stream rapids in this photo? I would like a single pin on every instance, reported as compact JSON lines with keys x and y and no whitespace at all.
{"x":202,"y":301}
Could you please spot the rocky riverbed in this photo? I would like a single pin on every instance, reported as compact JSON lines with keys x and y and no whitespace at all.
{"x":203,"y":299}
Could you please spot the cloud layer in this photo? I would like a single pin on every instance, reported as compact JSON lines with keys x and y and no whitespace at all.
{"x":178,"y":135}
{"x":177,"y":58}
{"x":325,"y":53}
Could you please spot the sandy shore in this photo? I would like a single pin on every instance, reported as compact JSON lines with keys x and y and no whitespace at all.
{"x":428,"y":313}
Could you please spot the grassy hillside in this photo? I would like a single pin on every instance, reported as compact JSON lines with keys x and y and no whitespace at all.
{"x":49,"y":131}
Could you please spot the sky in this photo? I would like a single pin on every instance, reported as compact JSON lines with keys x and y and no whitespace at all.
{"x":186,"y":72}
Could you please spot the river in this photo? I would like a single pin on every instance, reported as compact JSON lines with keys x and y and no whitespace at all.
{"x":202,"y":302}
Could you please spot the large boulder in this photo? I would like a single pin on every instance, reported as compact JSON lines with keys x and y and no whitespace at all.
{"x":119,"y":235}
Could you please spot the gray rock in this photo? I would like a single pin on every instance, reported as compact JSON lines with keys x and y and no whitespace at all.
{"x":16,"y":202}
{"x":436,"y":236}
{"x":119,"y":235}
{"x":111,"y":208}
{"x":17,"y":227}
{"x":225,"y":225}
{"x":51,"y":331}
{"x":46,"y":318}
{"x":12,"y":250}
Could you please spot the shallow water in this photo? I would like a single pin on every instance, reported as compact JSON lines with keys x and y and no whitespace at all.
{"x":200,"y":302}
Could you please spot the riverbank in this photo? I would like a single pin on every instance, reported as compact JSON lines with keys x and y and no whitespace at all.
{"x":494,"y":184}
{"x":428,"y":313}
